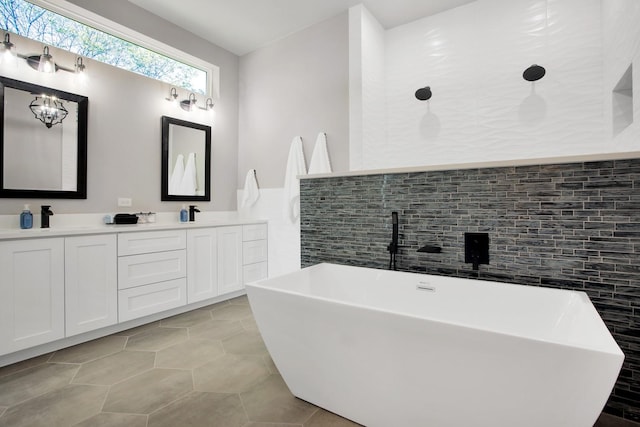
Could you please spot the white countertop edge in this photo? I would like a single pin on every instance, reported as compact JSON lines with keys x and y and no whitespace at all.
{"x":67,"y":230}
{"x":483,"y":165}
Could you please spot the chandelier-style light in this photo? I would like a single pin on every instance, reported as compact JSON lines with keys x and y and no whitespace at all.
{"x":48,"y":109}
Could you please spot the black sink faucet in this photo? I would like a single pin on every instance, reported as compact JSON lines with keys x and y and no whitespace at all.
{"x":45,"y":213}
{"x":192,"y":212}
{"x":393,"y":246}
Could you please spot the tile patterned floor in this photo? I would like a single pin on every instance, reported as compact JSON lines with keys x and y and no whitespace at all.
{"x":208,"y":367}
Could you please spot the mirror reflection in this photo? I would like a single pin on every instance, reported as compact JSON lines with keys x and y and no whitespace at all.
{"x":42,"y":142}
{"x":186,"y":152}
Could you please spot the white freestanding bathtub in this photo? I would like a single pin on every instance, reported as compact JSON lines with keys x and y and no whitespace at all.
{"x":391,"y":349}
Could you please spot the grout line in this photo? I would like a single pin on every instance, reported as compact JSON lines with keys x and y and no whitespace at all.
{"x":249,"y":421}
{"x":106,"y":395}
{"x":182,"y":396}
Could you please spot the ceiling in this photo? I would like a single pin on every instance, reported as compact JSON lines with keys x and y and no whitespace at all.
{"x":242,"y":26}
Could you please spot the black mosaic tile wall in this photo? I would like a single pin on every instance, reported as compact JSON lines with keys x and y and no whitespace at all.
{"x":572,"y":226}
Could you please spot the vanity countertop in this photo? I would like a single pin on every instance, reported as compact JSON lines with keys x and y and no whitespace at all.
{"x":63,"y":231}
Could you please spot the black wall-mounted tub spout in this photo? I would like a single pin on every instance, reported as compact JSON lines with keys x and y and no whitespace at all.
{"x":430,"y":249}
{"x":393,"y":246}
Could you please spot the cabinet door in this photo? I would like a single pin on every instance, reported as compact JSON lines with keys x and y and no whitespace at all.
{"x":91,"y":287}
{"x":31,"y":293}
{"x":229,"y":259}
{"x":202,"y":264}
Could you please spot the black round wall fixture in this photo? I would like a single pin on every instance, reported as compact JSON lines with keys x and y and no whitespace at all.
{"x":534,"y":73}
{"x":423,"y":94}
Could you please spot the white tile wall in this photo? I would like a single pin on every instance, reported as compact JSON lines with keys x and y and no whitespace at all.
{"x":482,"y":109}
{"x":366,"y":85}
{"x":621,"y":48}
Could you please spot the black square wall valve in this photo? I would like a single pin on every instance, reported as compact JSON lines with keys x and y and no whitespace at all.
{"x":476,"y":249}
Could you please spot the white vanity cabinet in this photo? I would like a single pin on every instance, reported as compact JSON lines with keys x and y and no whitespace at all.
{"x":59,"y":288}
{"x":214,"y":260}
{"x":202,"y":264}
{"x":151,"y":272}
{"x":31,"y":293}
{"x":230,"y":259}
{"x":254,"y":252}
{"x":91,"y":283}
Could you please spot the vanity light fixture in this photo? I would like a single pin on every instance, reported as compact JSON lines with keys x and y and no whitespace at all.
{"x":80,"y":67}
{"x":46,"y":63}
{"x":81,"y":70}
{"x":187,"y":104}
{"x":48,"y":109}
{"x":8,"y":51}
{"x":43,"y":62}
{"x":208,"y":105}
{"x":173,"y":95}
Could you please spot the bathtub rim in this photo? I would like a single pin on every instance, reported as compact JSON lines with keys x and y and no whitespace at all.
{"x":612,"y":348}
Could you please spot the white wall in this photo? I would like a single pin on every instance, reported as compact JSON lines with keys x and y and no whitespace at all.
{"x":482,"y":109}
{"x":124,"y":129}
{"x":296,"y":86}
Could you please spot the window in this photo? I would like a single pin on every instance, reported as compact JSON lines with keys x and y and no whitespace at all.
{"x":36,"y":23}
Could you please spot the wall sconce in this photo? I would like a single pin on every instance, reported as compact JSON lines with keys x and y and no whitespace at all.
{"x":173,"y":95}
{"x":48,"y":109}
{"x":424,"y":94}
{"x":187,"y":104}
{"x":534,"y":73}
{"x":190,"y":102}
{"x":43,"y":63}
{"x":80,"y":67}
{"x":208,"y":105}
{"x":8,"y":53}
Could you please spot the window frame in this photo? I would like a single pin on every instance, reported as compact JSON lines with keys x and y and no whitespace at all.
{"x":91,"y":19}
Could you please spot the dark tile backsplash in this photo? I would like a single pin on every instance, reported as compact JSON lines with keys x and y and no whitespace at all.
{"x":572,"y":226}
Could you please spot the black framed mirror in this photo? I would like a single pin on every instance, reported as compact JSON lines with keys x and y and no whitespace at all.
{"x":186,"y":161}
{"x":43,"y":142}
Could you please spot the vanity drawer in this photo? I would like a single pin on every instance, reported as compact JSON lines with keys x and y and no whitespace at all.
{"x":254,"y":272}
{"x":138,"y":270}
{"x":151,"y":241}
{"x":253,"y":252}
{"x":149,"y":299}
{"x":254,"y":232}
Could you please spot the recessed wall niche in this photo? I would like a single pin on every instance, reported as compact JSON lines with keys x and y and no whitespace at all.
{"x":622,"y":105}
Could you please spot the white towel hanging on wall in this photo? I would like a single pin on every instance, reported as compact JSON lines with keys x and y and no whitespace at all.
{"x":176,"y":175}
{"x":295,"y":166}
{"x":320,"y":158}
{"x":251,"y":193}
